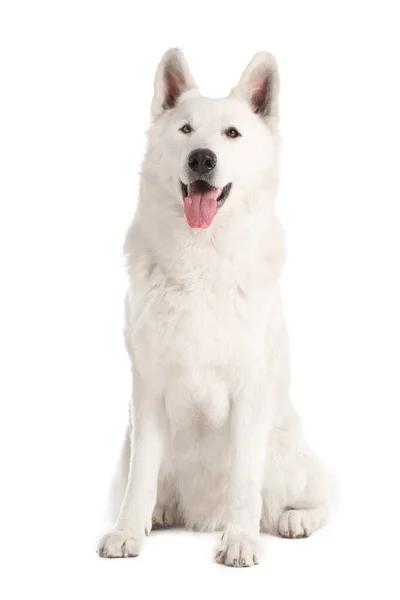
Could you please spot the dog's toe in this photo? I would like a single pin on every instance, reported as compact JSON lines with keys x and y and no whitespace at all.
{"x":118,"y":544}
{"x":163,"y":516}
{"x":237,"y":552}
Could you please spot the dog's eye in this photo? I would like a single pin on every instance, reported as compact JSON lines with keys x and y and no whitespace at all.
{"x":186,"y":129}
{"x":232,"y":132}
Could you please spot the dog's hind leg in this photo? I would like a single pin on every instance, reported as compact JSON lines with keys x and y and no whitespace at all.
{"x":307,"y":499}
{"x":302,"y":522}
{"x":298,"y":492}
{"x":165,"y":513}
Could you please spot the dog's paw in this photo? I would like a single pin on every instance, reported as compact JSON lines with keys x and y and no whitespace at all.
{"x":163,"y":516}
{"x":118,"y":544}
{"x":237,"y":551}
{"x":296,"y":524}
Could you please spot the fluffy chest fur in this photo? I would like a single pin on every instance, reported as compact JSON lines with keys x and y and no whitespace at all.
{"x":199,"y":315}
{"x":200,"y":304}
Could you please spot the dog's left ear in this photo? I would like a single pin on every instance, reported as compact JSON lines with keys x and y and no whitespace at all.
{"x":259,"y":86}
{"x":173,"y":78}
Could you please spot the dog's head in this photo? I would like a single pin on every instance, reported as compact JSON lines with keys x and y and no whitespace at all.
{"x":207,"y":153}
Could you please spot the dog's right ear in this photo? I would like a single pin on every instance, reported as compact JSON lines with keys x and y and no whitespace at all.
{"x":173,"y":78}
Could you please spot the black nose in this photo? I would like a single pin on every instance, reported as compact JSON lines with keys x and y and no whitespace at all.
{"x":202,"y":161}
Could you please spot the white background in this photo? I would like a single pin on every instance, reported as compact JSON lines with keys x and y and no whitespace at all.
{"x":76,"y":81}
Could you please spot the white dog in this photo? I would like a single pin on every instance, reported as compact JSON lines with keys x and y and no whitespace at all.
{"x":216,"y":443}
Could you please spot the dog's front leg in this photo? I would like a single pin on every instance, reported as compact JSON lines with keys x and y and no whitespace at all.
{"x":249,"y":433}
{"x":134,"y":521}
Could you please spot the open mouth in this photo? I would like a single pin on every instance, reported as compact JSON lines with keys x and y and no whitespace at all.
{"x":201,"y":202}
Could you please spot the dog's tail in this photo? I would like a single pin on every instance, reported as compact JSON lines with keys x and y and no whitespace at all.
{"x":120,"y":478}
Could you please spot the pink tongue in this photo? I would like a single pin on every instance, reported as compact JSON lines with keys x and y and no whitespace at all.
{"x":200,"y":208}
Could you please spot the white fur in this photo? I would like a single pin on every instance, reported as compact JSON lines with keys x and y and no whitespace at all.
{"x":217,"y":444}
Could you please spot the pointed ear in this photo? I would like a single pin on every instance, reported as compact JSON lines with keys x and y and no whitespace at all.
{"x":173,"y":78}
{"x":259,"y":86}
